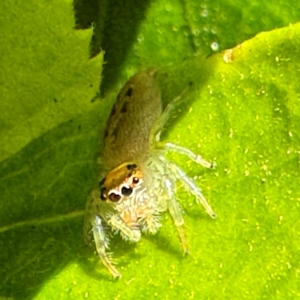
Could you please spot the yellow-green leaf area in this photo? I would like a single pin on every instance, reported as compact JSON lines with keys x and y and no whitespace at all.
{"x":41,"y":82}
{"x":241,"y":111}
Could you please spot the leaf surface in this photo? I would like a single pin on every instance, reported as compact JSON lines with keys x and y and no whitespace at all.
{"x":242,"y":112}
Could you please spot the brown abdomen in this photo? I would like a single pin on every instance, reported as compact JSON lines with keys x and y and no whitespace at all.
{"x":133,"y":115}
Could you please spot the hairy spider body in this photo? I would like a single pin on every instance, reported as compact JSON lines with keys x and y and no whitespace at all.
{"x":139,"y":182}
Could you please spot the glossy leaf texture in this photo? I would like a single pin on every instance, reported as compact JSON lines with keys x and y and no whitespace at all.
{"x":242,"y":111}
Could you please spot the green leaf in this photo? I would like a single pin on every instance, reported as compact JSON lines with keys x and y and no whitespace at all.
{"x":140,"y":34}
{"x":242,"y":112}
{"x":46,"y":76}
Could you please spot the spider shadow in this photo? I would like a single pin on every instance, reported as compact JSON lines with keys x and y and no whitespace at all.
{"x":163,"y":244}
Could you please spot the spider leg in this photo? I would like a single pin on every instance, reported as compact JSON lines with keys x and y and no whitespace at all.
{"x":151,"y":222}
{"x":101,"y":242}
{"x":175,"y":212}
{"x":184,"y":151}
{"x":93,"y":224}
{"x":190,"y":186}
{"x":160,"y":123}
{"x":90,"y":212}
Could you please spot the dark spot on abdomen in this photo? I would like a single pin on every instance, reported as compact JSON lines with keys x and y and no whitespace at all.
{"x":129,"y":92}
{"x":115,"y":133}
{"x":124,"y":107}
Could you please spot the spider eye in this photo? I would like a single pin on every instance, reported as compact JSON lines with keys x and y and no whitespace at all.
{"x":101,"y":182}
{"x":131,"y":167}
{"x":114,"y":197}
{"x":135,"y":180}
{"x":102,"y":196}
{"x":126,"y":190}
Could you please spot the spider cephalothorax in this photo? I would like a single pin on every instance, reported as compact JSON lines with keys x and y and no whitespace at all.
{"x":120,"y":182}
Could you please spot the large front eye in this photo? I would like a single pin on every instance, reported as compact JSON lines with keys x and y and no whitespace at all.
{"x":114,"y":197}
{"x":126,"y":190}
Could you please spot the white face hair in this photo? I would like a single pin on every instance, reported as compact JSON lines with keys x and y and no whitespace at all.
{"x":140,"y":182}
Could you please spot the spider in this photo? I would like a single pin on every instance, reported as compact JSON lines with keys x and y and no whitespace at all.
{"x":139,"y":183}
